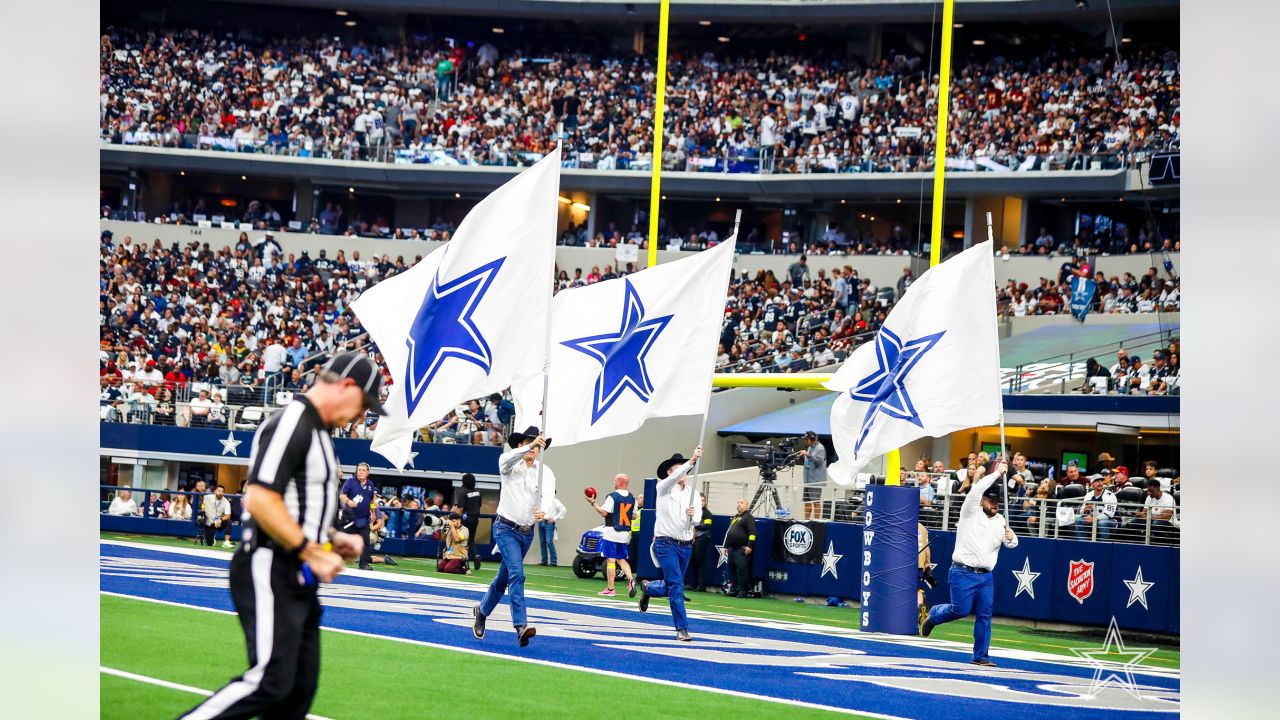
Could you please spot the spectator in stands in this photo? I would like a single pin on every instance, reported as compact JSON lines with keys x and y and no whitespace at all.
{"x":200,"y":409}
{"x":1072,"y":475}
{"x":180,"y":508}
{"x":1032,"y":507}
{"x":1159,"y":505}
{"x":1097,"y":510}
{"x":123,"y":504}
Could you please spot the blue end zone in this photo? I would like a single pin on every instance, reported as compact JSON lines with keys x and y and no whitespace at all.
{"x":830,"y":667}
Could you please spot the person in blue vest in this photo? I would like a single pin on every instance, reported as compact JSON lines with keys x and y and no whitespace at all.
{"x":618,"y":509}
{"x":357,"y":497}
{"x":979,"y":533}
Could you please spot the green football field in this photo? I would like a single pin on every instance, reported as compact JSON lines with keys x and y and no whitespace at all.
{"x":371,"y":677}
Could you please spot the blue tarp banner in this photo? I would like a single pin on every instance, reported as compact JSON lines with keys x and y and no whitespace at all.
{"x":1082,"y":290}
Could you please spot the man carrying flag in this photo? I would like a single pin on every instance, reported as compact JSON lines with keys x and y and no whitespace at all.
{"x":519,"y":507}
{"x":673,"y":538}
{"x":979,"y":533}
{"x":448,"y":328}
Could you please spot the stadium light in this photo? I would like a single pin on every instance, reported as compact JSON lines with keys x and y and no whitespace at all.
{"x":498,"y":31}
{"x":340,"y":13}
{"x":582,"y":206}
{"x":242,"y":177}
{"x":1126,"y":40}
{"x":957,"y":25}
{"x":979,"y":42}
{"x":722,"y":38}
{"x":457,"y":196}
{"x":350,"y":23}
{"x":704,"y":23}
{"x":351,"y":190}
{"x":564,"y":200}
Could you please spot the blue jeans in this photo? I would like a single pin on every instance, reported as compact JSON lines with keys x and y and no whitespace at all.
{"x":672,"y":559}
{"x":1084,"y":530}
{"x":547,"y":541}
{"x":510,"y":578}
{"x":971,"y":592}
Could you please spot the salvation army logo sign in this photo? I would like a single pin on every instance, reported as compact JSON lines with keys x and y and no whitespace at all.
{"x":1080,"y":580}
{"x":798,"y":539}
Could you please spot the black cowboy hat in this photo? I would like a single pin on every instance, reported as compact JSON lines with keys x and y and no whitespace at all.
{"x":670,"y":462}
{"x":531,"y":432}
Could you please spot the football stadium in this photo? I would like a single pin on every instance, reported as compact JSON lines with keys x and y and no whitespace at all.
{"x":655,"y":359}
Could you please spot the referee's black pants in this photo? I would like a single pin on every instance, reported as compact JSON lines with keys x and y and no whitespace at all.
{"x":281,"y":621}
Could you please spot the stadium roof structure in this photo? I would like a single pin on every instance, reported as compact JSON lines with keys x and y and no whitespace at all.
{"x":745,"y":11}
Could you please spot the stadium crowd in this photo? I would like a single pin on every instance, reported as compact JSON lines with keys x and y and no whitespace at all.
{"x":1117,"y":294}
{"x":423,"y":102}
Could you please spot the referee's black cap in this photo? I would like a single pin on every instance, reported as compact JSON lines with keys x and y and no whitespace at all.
{"x":358,"y":367}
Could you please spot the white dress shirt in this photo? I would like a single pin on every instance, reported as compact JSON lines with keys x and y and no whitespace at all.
{"x":520,"y":492}
{"x":555,"y":510}
{"x":673,"y":506}
{"x":978,"y":537}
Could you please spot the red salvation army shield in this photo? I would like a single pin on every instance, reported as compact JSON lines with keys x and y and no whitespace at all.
{"x":1080,"y":580}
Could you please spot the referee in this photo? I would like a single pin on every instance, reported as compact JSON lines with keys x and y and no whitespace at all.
{"x":290,"y":499}
{"x":979,"y":533}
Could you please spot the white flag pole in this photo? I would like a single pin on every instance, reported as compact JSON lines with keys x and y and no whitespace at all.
{"x":546,"y":378}
{"x":706,"y":409}
{"x":1004,"y":452}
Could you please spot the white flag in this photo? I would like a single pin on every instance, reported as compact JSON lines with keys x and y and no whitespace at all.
{"x":626,"y":350}
{"x":471,"y":317}
{"x":931,"y":370}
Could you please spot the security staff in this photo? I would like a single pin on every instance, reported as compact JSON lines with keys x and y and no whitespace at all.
{"x":357,"y":496}
{"x":519,"y":507}
{"x":467,"y":502}
{"x":979,"y":534}
{"x":740,"y":542}
{"x":699,"y":568}
{"x":672,"y":538}
{"x":290,"y":500}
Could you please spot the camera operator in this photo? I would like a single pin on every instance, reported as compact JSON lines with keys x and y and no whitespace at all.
{"x":456,"y":541}
{"x":215,"y":515}
{"x":815,"y":474}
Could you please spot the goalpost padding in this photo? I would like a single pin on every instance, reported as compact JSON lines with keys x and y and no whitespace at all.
{"x":890,"y":574}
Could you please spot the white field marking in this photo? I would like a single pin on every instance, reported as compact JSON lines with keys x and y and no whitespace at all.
{"x":952,"y":646}
{"x":549,"y":663}
{"x":171,"y":685}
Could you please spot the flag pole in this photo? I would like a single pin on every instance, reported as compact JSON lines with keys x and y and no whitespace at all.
{"x":706,"y":409}
{"x":1004,"y":453}
{"x":546,"y":368}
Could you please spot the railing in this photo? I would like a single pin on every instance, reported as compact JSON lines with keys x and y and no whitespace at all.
{"x":1073,"y":370}
{"x":783,"y":498}
{"x":401,"y":523}
{"x":763,"y":161}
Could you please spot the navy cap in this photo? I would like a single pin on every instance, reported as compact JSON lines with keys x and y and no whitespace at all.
{"x":364,"y":372}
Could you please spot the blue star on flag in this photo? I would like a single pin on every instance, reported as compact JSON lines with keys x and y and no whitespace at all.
{"x":884,"y":388}
{"x":444,"y":328}
{"x":621,"y":355}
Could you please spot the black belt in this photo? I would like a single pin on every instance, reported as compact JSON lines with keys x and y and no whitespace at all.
{"x":962,"y":566}
{"x":673,"y":541}
{"x":523,"y":529}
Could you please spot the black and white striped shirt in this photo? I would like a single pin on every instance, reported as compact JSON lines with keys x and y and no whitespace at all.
{"x":293,"y":455}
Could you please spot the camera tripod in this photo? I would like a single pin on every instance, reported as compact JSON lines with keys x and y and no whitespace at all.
{"x":760,"y":499}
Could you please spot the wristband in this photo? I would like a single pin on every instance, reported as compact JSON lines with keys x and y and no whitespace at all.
{"x":297,"y":551}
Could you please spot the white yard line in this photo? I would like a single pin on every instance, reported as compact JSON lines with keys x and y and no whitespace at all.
{"x":171,"y":685}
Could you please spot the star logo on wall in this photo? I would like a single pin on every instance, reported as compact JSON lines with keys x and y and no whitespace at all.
{"x":1026,"y":579}
{"x":622,"y":354}
{"x":723,"y":553}
{"x":1138,"y":590}
{"x":829,"y":560}
{"x":444,"y":328}
{"x":230,"y":444}
{"x":884,"y":388}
